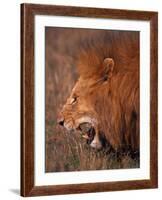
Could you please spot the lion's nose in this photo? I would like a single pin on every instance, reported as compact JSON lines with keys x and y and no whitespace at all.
{"x":60,"y":121}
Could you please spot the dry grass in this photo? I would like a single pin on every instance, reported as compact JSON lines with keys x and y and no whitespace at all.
{"x":68,"y":151}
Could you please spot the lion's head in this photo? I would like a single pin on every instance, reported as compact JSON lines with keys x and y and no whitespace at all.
{"x":80,"y":110}
{"x":104,"y":103}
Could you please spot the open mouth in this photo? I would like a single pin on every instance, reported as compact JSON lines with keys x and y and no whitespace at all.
{"x":87,"y":131}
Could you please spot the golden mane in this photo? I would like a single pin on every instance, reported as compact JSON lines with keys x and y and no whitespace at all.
{"x":118,"y":101}
{"x":121,"y":46}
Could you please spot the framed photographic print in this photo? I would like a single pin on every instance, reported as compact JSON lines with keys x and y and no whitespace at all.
{"x":88,"y":99}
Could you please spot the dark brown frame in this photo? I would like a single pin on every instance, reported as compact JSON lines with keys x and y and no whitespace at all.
{"x":28,"y":11}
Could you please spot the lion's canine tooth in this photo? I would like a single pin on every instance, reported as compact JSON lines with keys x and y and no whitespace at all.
{"x":85,"y":136}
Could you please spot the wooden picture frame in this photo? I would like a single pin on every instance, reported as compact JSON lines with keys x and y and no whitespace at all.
{"x":28,"y":13}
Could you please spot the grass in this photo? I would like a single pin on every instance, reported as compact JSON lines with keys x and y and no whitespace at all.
{"x":69,"y":152}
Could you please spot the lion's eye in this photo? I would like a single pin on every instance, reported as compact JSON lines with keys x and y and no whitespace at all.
{"x":73,"y":100}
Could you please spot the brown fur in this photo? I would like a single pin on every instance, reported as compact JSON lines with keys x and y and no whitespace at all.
{"x":109,"y":97}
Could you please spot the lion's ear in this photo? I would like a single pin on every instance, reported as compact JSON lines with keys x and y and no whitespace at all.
{"x":108,"y":65}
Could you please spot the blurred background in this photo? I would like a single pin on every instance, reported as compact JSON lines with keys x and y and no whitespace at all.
{"x":68,"y":151}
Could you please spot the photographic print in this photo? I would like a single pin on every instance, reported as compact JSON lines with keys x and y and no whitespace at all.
{"x":92,"y":99}
{"x":88,"y":99}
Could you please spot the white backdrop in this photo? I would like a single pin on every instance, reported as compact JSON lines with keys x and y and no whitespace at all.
{"x":10,"y":98}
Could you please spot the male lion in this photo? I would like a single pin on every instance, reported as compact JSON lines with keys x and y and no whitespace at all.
{"x":104,"y":103}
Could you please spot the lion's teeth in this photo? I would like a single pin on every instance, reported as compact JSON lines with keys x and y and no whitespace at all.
{"x":85,"y":136}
